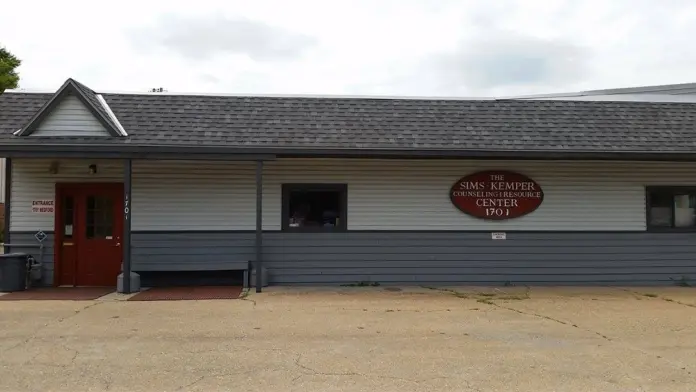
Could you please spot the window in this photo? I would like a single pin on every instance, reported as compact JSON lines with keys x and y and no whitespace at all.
{"x":315,"y":207}
{"x":671,"y":208}
{"x":68,"y":217}
{"x":100,"y":217}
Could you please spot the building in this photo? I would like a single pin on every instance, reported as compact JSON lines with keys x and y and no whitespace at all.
{"x":682,"y":92}
{"x":320,"y":190}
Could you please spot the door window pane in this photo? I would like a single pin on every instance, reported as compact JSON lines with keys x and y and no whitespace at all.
{"x":100,"y":217}
{"x":68,"y":216}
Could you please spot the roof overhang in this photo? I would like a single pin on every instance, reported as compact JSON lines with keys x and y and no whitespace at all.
{"x":125,"y":151}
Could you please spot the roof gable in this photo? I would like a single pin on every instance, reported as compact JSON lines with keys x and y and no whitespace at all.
{"x":70,"y":117}
{"x":74,"y":110}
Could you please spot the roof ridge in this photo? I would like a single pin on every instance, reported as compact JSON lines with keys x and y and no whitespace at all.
{"x":81,"y":86}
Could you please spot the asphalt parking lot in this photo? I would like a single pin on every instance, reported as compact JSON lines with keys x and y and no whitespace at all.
{"x":358,"y":339}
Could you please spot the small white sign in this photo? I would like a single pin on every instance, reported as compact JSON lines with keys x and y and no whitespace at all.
{"x":40,"y":236}
{"x":42,"y":206}
{"x":498,"y":236}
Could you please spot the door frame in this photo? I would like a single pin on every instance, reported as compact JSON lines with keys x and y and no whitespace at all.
{"x":61,"y":189}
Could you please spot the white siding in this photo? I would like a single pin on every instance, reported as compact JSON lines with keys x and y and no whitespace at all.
{"x":31,"y":180}
{"x":179,"y":195}
{"x":414,"y":195}
{"x":70,"y":118}
{"x":382,"y":195}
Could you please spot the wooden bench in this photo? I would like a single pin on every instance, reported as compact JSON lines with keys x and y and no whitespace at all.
{"x":235,"y":265}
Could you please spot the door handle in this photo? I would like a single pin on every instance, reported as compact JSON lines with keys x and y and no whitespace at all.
{"x":118,"y":244}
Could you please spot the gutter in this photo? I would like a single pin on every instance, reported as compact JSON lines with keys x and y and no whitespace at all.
{"x":123,"y":150}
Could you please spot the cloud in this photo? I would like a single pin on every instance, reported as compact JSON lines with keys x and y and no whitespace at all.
{"x":489,"y":62}
{"x":514,"y":60}
{"x":203,"y":38}
{"x":389,"y":47}
{"x":501,"y":61}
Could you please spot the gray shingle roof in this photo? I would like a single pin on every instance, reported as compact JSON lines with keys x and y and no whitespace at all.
{"x":287,"y":123}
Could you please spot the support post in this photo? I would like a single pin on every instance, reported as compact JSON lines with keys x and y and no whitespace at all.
{"x":126,"y":240}
{"x":8,"y":203}
{"x":258,"y":263}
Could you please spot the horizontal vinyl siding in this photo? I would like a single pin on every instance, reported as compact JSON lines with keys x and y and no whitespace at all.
{"x":31,"y":180}
{"x":195,"y":213}
{"x":180,"y":195}
{"x":382,"y":195}
{"x":432,"y":258}
{"x":473,"y":258}
{"x":70,"y":118}
{"x":198,"y":251}
{"x":414,"y":194}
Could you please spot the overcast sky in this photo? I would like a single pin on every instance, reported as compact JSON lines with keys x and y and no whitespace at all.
{"x":357,"y":47}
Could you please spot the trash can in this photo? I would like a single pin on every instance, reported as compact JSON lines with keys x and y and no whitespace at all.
{"x":13,"y":272}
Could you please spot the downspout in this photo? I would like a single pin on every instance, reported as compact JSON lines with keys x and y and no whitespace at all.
{"x":258,"y":262}
{"x":8,"y":200}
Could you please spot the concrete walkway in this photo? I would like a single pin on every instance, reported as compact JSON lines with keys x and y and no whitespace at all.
{"x":358,"y":339}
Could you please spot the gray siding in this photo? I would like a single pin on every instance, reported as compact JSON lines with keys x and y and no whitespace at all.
{"x":175,"y":251}
{"x":432,"y":258}
{"x":70,"y":118}
{"x":27,"y":238}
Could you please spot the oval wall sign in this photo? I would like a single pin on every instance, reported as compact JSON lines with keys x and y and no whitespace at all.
{"x":496,"y":195}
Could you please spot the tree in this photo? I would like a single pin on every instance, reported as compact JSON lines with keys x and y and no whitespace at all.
{"x":8,"y":74}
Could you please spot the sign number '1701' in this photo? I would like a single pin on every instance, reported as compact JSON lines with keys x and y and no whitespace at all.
{"x":496,"y":195}
{"x":126,"y":207}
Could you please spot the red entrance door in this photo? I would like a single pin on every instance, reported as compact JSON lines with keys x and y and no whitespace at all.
{"x":89,"y":226}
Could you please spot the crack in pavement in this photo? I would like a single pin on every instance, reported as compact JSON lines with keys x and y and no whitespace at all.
{"x":51,"y":324}
{"x":550,"y":319}
{"x":244,"y":296}
{"x":74,"y":357}
{"x":223,"y":374}
{"x":678,"y":302}
{"x":489,"y":301}
{"x":657,"y":297}
{"x":33,"y":361}
{"x":245,"y":299}
{"x":591,"y":331}
{"x":315,"y":372}
{"x":318,"y":373}
{"x":196,"y":381}
{"x":397,"y":310}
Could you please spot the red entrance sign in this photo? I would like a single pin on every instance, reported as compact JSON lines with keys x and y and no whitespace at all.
{"x":496,"y":195}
